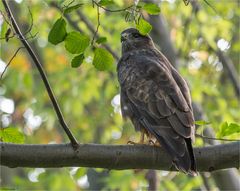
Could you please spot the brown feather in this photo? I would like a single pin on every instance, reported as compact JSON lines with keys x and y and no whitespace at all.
{"x":157,"y":99}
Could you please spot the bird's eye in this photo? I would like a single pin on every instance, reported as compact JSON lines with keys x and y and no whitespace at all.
{"x":136,"y":35}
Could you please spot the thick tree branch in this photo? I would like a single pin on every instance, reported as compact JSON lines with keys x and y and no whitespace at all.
{"x":42,"y":73}
{"x":231,"y":70}
{"x":209,"y":158}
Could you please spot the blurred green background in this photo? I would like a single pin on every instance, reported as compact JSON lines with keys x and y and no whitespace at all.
{"x":200,"y":33}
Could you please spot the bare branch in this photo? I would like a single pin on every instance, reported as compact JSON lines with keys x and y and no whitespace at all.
{"x":212,"y":138}
{"x":208,"y":158}
{"x":109,"y":10}
{"x":213,"y":8}
{"x":151,"y":177}
{"x":91,"y":28}
{"x":8,"y":64}
{"x":98,"y":25}
{"x":28,"y":31}
{"x":42,"y":73}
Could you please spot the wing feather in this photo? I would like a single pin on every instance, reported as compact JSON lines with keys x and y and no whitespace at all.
{"x":157,"y":99}
{"x":152,"y":88}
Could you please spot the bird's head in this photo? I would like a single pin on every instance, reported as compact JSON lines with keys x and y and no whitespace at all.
{"x":132,"y":40}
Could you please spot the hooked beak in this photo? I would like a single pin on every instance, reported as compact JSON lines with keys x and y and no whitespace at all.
{"x":124,"y":37}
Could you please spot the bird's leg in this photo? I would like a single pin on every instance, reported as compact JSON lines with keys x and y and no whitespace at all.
{"x":152,"y":140}
{"x":141,"y":139}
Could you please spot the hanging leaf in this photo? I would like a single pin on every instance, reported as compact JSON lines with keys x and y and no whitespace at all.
{"x":77,"y":61}
{"x":228,"y":129}
{"x":103,"y":60}
{"x":58,"y":32}
{"x":72,"y":8}
{"x":101,"y":40}
{"x":151,"y":8}
{"x":76,"y":43}
{"x":143,"y":26}
{"x":7,"y":34}
{"x":4,"y":29}
{"x":105,"y":2}
{"x":202,"y":122}
{"x":11,"y":135}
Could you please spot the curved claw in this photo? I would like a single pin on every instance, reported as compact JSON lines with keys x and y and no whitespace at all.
{"x":151,"y":142}
{"x":131,"y":143}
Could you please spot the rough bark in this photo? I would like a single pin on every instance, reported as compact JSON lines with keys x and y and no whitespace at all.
{"x":209,"y":158}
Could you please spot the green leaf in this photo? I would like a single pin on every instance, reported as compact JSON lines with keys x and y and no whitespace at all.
{"x":72,"y":8}
{"x":11,"y":135}
{"x":143,"y":27}
{"x":202,"y":122}
{"x":80,"y":173}
{"x":102,"y":60}
{"x":77,"y":61}
{"x":151,"y":8}
{"x":228,"y":129}
{"x":101,"y":40}
{"x":27,"y":80}
{"x":58,"y":32}
{"x":4,"y":28}
{"x":105,"y":2}
{"x":76,"y":43}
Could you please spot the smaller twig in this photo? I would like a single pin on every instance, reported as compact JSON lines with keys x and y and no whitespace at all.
{"x":186,"y":2}
{"x":28,"y":31}
{"x":98,"y":25}
{"x":90,"y":26}
{"x":212,"y":138}
{"x":31,"y":25}
{"x":109,"y":10}
{"x":211,"y":6}
{"x":8,"y":64}
{"x":66,"y":6}
{"x":20,"y":38}
{"x":5,"y":18}
{"x":43,"y":76}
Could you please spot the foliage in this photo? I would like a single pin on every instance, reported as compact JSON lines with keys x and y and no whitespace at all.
{"x":11,"y":135}
{"x":76,"y":42}
{"x":77,"y":60}
{"x":89,"y":99}
{"x":228,"y":129}
{"x":143,"y":26}
{"x":102,"y":59}
{"x":151,"y":8}
{"x":58,"y":32}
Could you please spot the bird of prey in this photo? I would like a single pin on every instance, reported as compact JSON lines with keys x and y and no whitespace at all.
{"x":156,"y":98}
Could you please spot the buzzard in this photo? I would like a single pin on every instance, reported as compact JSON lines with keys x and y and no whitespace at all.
{"x":156,"y":98}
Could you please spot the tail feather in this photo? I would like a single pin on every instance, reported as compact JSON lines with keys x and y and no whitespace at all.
{"x":193,"y":160}
{"x":179,"y":148}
